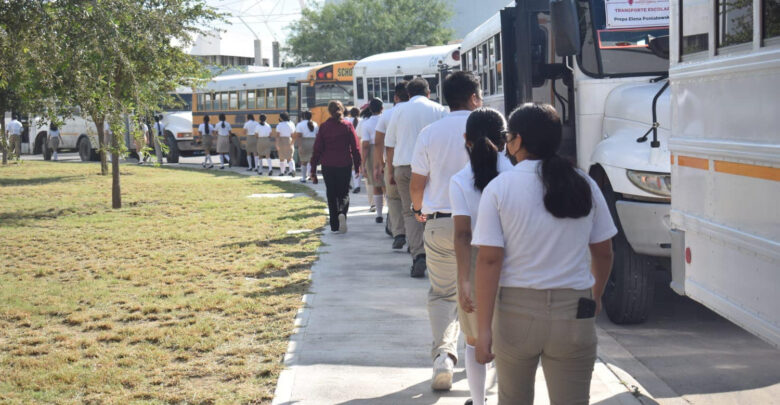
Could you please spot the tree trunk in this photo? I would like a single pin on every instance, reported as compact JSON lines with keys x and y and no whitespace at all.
{"x":102,"y":145}
{"x":4,"y":138}
{"x":116,"y":192}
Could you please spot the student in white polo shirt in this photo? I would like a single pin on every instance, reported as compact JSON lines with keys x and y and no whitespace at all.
{"x":284,"y":145}
{"x":54,"y":140}
{"x":250,"y":128}
{"x":264,"y":144}
{"x":304,"y":136}
{"x":206,"y":131}
{"x":485,"y":143}
{"x":367,"y":135}
{"x":405,"y":126}
{"x":223,"y":141}
{"x":536,"y":225}
{"x":14,"y":130}
{"x":439,"y":153}
{"x":395,"y":223}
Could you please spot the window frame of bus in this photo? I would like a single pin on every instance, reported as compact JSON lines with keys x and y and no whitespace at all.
{"x":391,"y":81}
{"x":696,"y":52}
{"x":270,"y":99}
{"x":359,"y":85}
{"x":224,"y":97}
{"x":260,"y":103}
{"x":764,"y":14}
{"x":281,"y":98}
{"x":233,"y":100}
{"x":369,"y":87}
{"x":250,"y":100}
{"x":719,"y":29}
{"x":242,"y":100}
{"x":385,"y":90}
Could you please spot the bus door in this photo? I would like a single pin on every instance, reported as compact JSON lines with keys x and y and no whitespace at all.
{"x":293,"y":101}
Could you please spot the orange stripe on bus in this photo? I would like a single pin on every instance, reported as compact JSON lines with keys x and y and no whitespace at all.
{"x":747,"y":170}
{"x":696,"y":163}
{"x":671,"y":158}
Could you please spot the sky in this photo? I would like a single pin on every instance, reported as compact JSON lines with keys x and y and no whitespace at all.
{"x":267,"y":18}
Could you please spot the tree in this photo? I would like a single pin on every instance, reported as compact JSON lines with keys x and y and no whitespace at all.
{"x":354,"y":29}
{"x":27,"y":80}
{"x":120,"y":58}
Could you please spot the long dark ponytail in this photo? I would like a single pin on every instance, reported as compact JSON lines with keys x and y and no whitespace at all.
{"x":206,"y":124}
{"x":484,"y":131}
{"x":307,"y":116}
{"x":566,"y":192}
{"x":222,"y":118}
{"x":355,"y":114}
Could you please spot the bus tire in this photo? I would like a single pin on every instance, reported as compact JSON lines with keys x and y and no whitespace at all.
{"x":86,"y":152}
{"x":173,"y":148}
{"x":628,"y":296}
{"x":40,"y":146}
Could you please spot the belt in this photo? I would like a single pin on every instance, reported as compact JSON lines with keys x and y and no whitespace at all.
{"x":437,"y":215}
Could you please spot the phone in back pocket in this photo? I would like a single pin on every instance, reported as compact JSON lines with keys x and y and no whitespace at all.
{"x":586,"y":308}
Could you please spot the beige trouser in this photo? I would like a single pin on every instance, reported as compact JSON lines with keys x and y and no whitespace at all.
{"x":529,"y":324}
{"x":468,"y":320}
{"x":394,"y":206}
{"x":16,"y":145}
{"x":414,"y":229}
{"x":443,"y":276}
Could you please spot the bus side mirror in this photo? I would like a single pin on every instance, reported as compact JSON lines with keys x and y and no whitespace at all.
{"x":566,"y":27}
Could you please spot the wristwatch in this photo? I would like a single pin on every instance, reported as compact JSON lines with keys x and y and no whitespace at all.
{"x":416,"y":212}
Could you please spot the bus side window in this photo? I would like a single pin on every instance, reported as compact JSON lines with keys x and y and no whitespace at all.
{"x":250,"y":100}
{"x":242,"y":100}
{"x":281,"y":98}
{"x":225,"y":101}
{"x":311,"y":99}
{"x":359,"y":83}
{"x":261,"y":99}
{"x":271,"y":100}
{"x":735,"y":22}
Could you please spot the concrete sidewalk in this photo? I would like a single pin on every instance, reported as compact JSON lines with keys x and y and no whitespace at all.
{"x":363,"y":336}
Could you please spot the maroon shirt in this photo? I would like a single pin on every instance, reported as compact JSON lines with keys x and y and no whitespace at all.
{"x":335,"y":145}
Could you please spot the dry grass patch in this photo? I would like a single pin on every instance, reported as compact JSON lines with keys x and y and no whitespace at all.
{"x":186,"y":295}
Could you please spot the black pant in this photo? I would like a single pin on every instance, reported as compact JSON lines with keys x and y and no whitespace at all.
{"x":337,"y":180}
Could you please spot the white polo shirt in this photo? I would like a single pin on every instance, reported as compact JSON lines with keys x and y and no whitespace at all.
{"x":439,"y":153}
{"x":54,"y":133}
{"x":249,"y":126}
{"x":303,"y":129}
{"x":540,"y":250}
{"x":223,"y":131}
{"x":15,"y":127}
{"x":202,"y":129}
{"x":464,"y":196}
{"x":405,"y":126}
{"x":368,"y":130}
{"x":384,"y":118}
{"x":285,"y":129}
{"x":263,"y":131}
{"x":159,"y":128}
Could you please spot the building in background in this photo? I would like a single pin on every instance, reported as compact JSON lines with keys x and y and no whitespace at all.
{"x":229,"y":49}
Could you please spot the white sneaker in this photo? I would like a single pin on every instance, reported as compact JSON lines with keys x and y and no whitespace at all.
{"x":443,"y":368}
{"x":342,"y":223}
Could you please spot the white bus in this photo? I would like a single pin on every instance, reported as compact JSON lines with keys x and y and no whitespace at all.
{"x":725,"y":144}
{"x":604,"y":89}
{"x":377,"y":75}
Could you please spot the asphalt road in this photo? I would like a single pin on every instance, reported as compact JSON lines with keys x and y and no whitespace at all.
{"x":693,"y":355}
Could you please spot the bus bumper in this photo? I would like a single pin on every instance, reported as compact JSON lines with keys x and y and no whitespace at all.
{"x":647,"y":226}
{"x":188,"y":145}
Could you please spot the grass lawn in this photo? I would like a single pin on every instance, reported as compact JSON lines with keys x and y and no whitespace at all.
{"x":185,"y":295}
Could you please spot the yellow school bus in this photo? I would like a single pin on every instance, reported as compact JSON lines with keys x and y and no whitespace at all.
{"x":271,"y":93}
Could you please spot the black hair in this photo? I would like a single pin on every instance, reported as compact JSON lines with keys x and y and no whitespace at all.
{"x":375,"y":105}
{"x":53,"y":127}
{"x":206,"y":120}
{"x":307,"y":116}
{"x":458,"y":89}
{"x":366,"y":113}
{"x":485,"y":131}
{"x":354,"y":112}
{"x":263,"y":118}
{"x":284,"y":117}
{"x":250,"y":117}
{"x":567,"y":193}
{"x":401,"y":91}
{"x":418,"y":87}
{"x":222,"y":118}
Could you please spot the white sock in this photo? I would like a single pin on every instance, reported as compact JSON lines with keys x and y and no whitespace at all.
{"x":475,"y":374}
{"x":305,"y":171}
{"x":292,"y":165}
{"x":205,"y":159}
{"x":283,"y":165}
{"x":257,"y":162}
{"x":209,"y":158}
{"x":249,"y":160}
{"x":54,"y":155}
{"x":227,"y":157}
{"x":378,"y":200}
{"x":270,"y":166}
{"x":222,"y":159}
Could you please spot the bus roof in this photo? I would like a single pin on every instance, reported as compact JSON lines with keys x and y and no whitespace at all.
{"x":260,"y":80}
{"x":410,"y":62}
{"x":482,"y":33}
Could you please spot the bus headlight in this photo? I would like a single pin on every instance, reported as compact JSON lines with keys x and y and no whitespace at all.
{"x":653,"y":183}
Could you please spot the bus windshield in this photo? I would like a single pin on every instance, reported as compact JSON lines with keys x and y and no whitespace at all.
{"x":340,"y":91}
{"x":178,"y":102}
{"x":614,"y":45}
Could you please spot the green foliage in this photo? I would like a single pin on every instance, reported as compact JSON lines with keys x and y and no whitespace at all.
{"x":354,"y":29}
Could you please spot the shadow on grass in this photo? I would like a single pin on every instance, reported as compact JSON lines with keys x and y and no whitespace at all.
{"x":298,"y":287}
{"x":286,"y":240}
{"x":36,"y":181}
{"x":302,"y":215}
{"x":285,"y":186}
{"x":23,"y":218}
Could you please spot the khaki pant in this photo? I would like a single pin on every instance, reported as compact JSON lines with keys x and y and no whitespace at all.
{"x":15,"y":146}
{"x":443,"y":276}
{"x":532,"y":324}
{"x":394,"y":206}
{"x":414,"y":229}
{"x":468,"y":320}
